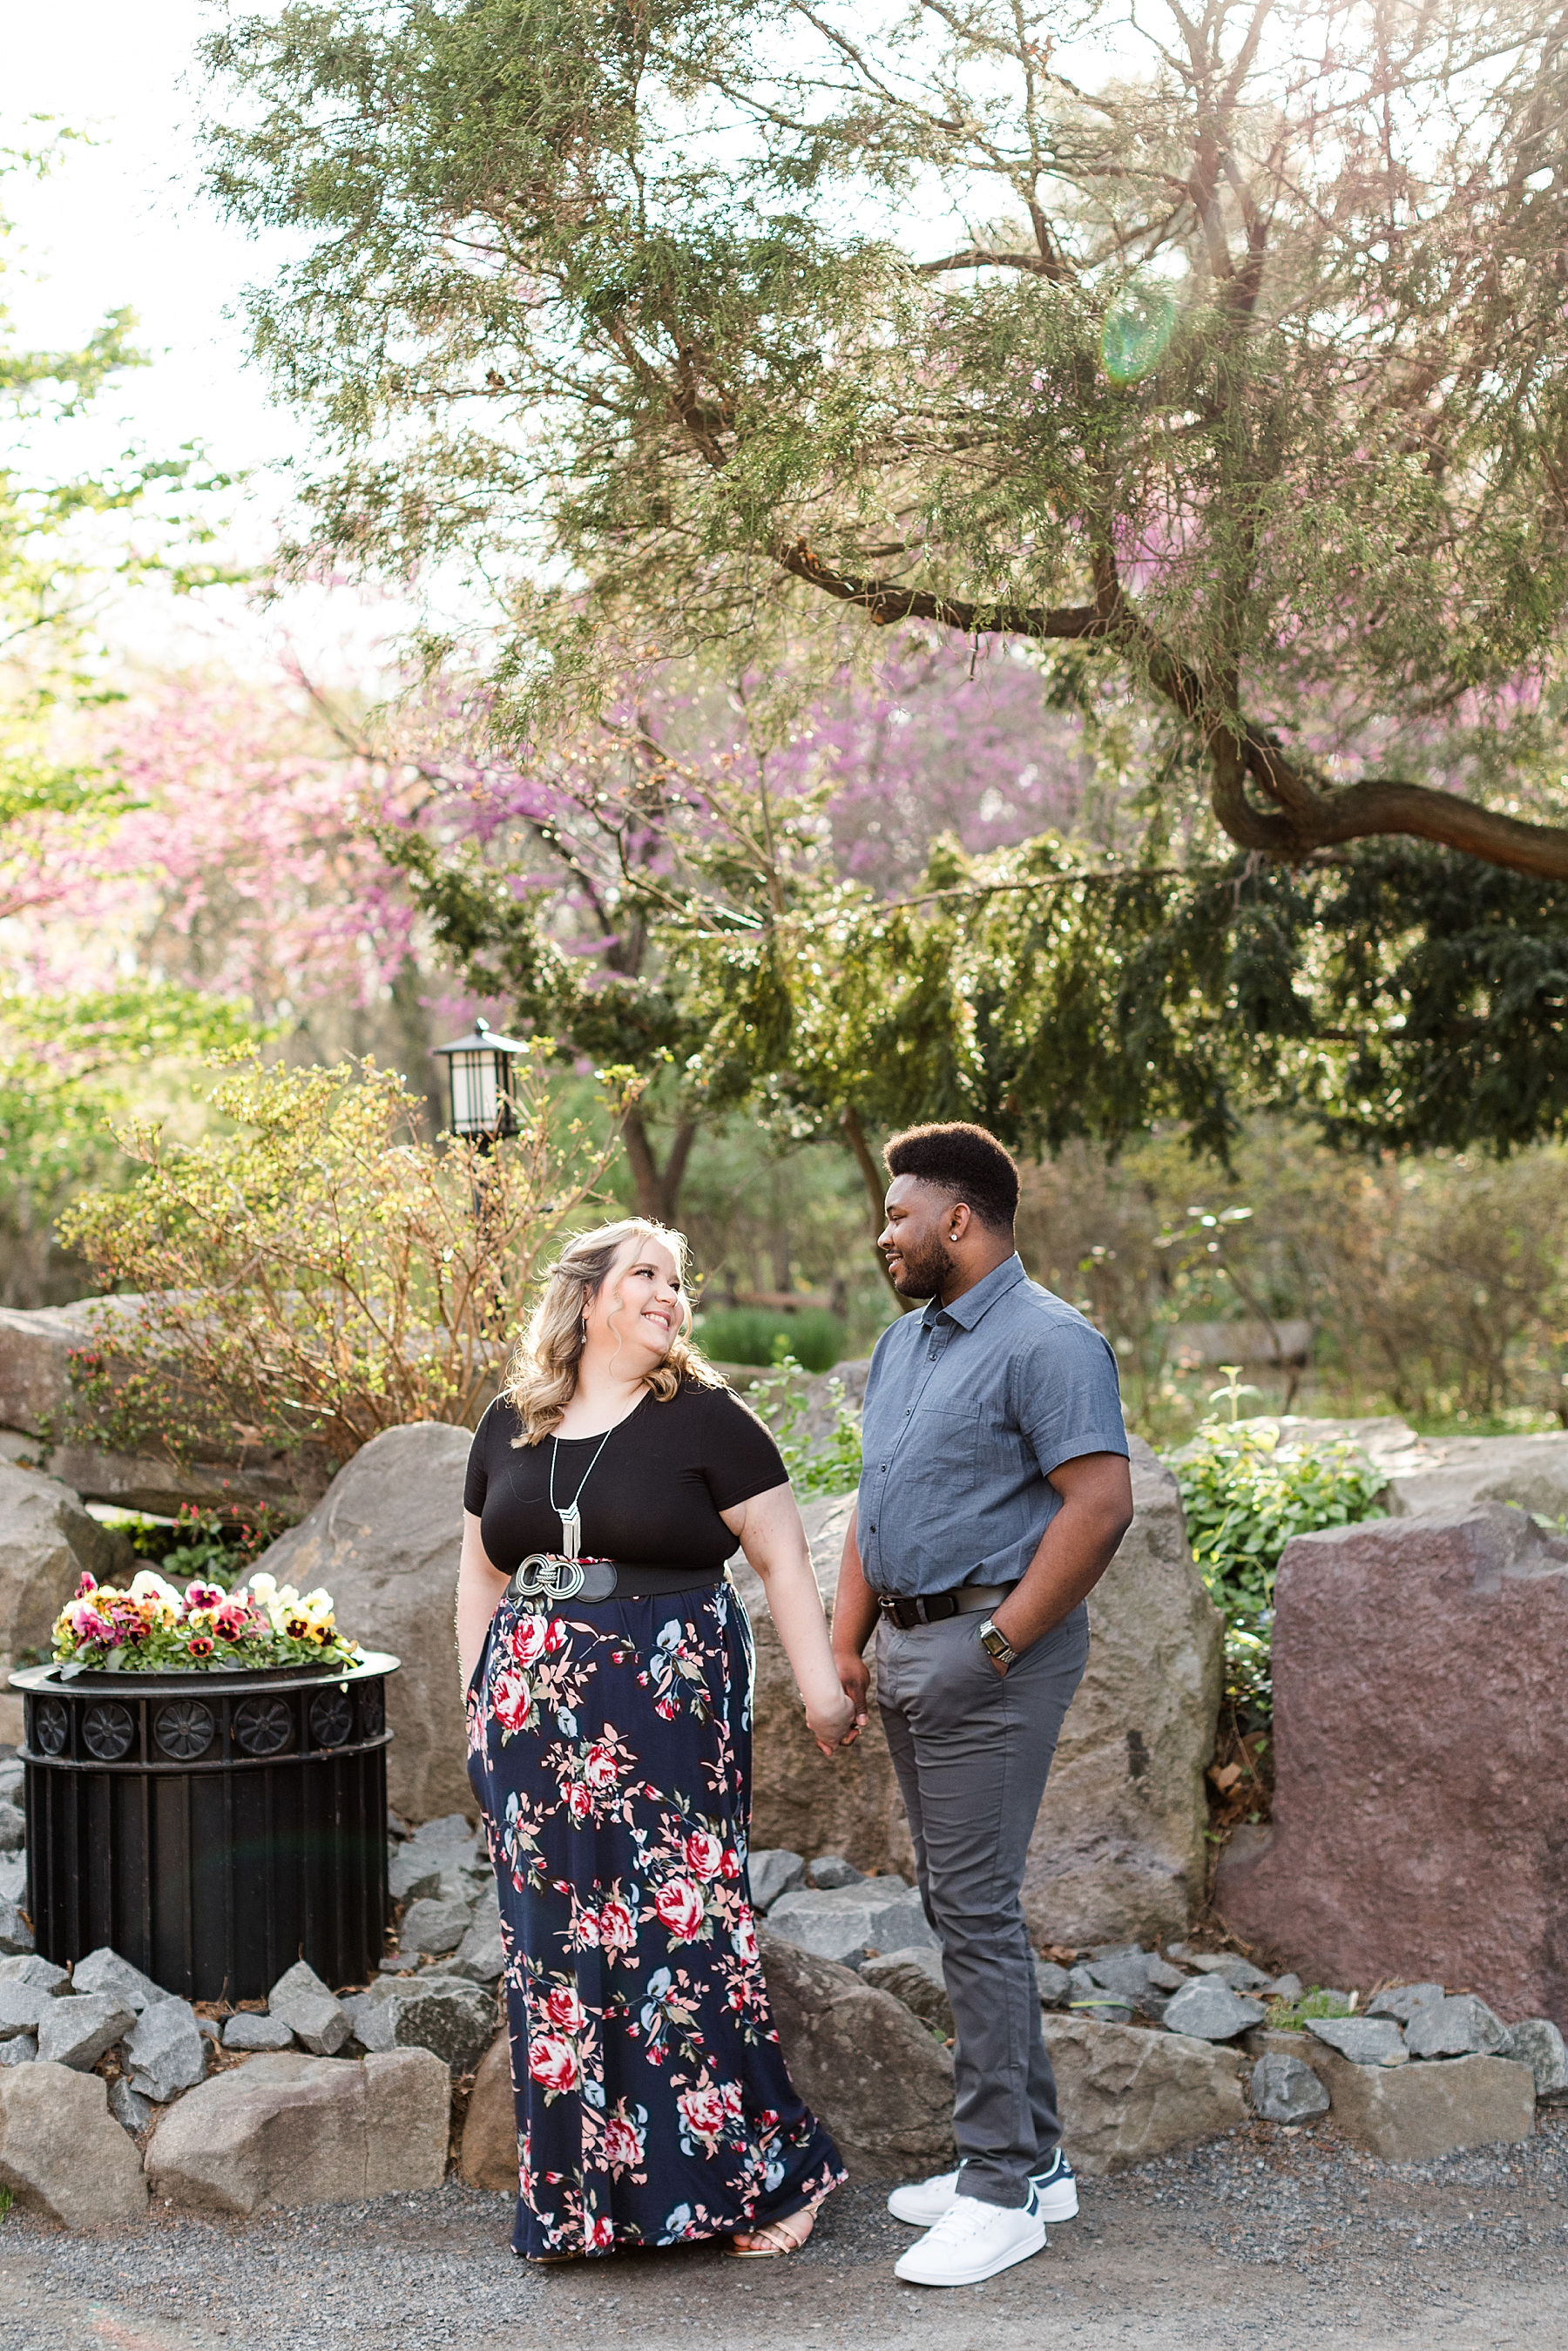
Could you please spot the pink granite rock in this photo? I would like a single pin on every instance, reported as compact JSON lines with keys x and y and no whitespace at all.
{"x":1421,"y":1751}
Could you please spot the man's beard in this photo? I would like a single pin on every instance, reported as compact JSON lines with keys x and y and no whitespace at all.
{"x":927,"y":1271}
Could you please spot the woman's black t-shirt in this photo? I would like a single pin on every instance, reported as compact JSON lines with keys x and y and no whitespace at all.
{"x":656,"y":1492}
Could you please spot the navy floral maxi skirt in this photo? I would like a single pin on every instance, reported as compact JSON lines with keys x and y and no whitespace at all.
{"x":610,"y":1752}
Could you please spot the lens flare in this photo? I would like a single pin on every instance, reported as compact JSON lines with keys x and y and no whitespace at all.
{"x":1137,"y":331}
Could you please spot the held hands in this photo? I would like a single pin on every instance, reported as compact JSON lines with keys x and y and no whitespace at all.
{"x":832,"y":1724}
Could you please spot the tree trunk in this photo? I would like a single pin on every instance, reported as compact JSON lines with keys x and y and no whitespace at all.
{"x":658,"y":1188}
{"x":871,"y":1176}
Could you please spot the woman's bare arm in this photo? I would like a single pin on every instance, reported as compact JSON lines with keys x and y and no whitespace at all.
{"x":769,"y":1533}
{"x":479,"y":1589}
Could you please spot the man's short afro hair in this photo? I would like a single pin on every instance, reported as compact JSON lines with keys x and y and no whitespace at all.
{"x":964,"y":1161}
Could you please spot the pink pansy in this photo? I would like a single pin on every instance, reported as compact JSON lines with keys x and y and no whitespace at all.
{"x":680,"y":1906}
{"x":204,"y":1595}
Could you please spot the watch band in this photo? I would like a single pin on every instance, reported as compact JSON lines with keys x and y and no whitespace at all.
{"x":997,"y":1645}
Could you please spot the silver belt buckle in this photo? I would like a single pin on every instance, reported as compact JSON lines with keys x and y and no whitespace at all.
{"x":545,"y":1579}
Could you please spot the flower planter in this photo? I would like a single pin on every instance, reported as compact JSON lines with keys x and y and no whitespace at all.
{"x":213,"y":1828}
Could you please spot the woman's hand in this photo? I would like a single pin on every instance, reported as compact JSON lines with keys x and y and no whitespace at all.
{"x":833,"y":1725}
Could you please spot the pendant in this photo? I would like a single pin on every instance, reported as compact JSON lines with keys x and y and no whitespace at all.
{"x":571,"y":1531}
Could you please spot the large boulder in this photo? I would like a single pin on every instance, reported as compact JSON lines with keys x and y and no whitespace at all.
{"x":1421,"y":1760}
{"x":1436,"y":1475}
{"x":62,"y":2152}
{"x":1128,"y":2095}
{"x":488,"y":2155}
{"x":868,"y":2067}
{"x":288,"y":2129}
{"x":1118,"y":1854}
{"x":47,"y":1540}
{"x":384,"y":1540}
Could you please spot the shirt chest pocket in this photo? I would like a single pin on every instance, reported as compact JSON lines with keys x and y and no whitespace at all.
{"x":943,"y":1439}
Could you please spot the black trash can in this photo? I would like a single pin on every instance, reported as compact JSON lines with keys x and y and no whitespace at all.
{"x":211,"y":1827}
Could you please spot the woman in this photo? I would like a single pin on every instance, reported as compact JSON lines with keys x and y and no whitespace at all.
{"x":608,"y":1667}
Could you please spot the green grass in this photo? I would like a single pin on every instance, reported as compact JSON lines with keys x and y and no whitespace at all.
{"x":754,"y":1334}
{"x":1288,"y":2016}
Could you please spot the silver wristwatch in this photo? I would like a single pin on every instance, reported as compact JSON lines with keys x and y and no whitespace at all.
{"x":993,"y":1638}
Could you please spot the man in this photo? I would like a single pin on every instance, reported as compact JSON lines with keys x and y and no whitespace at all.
{"x":994,"y":1493}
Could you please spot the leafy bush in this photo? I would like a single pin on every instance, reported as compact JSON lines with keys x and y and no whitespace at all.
{"x":216,"y":1545}
{"x":1288,"y":2016}
{"x":319,"y":1272}
{"x":753,"y":1335}
{"x":828,"y":1464}
{"x":1245,"y":1494}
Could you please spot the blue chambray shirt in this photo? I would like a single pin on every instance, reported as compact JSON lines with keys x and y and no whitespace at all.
{"x":968,"y":1409}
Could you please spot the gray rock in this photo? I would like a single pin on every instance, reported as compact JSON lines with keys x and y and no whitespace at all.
{"x":1538,"y":2043}
{"x":318,"y":2021}
{"x":1461,"y":2027}
{"x":843,"y":1925}
{"x":1128,"y":1975}
{"x":381,"y":1542}
{"x":20,"y":2050}
{"x":773,"y":1872}
{"x":32,"y":1968}
{"x":452,"y":1833}
{"x":76,"y":2033}
{"x":13,"y":1878}
{"x":1412,"y":2113}
{"x":398,"y":1963}
{"x":830,"y":1870}
{"x":104,"y":1970}
{"x":62,"y":2152}
{"x":252,"y":2032}
{"x":1230,"y":1968}
{"x":873,"y":2073}
{"x":1209,"y":2011}
{"x":1164,"y":1976}
{"x":481,"y":1956}
{"x":13,"y":1780}
{"x":16,"y":1935}
{"x":166,"y":2050}
{"x":131,"y":2110}
{"x":434,"y":1926}
{"x":21,"y":2006}
{"x":443,"y":2012}
{"x":1284,"y":2090}
{"x":13,"y":1828}
{"x":292,"y":2131}
{"x":1128,"y":2096}
{"x":1286,"y":1987}
{"x":1054,"y":1988}
{"x":915,"y":1976}
{"x":1404,"y":2000}
{"x":46,"y":1538}
{"x":210,"y":2030}
{"x":1365,"y":2040}
{"x":412,"y":1874}
{"x":1087,"y":1998}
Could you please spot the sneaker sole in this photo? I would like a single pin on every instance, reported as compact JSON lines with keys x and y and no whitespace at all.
{"x":981,"y":2270}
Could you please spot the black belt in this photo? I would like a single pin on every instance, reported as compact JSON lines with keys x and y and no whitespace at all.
{"x":545,"y":1579}
{"x":967,"y":1601}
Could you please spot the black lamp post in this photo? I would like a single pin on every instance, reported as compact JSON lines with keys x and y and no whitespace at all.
{"x":479,"y":1072}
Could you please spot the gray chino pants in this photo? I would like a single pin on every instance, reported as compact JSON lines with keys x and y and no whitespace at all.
{"x":972,"y":1751}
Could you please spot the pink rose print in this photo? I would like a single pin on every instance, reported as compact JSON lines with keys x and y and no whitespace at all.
{"x":729,"y":2098}
{"x":680,"y":1906}
{"x":665,"y":1709}
{"x":704,"y":1854}
{"x":617,"y":1927}
{"x":553,"y":2062}
{"x":535,"y":1637}
{"x":743,"y":1939}
{"x":730,"y":1865}
{"x":511,"y":1697}
{"x":599,"y":1769}
{"x":600,"y":2233}
{"x":579,"y":1800}
{"x":565,"y":2011}
{"x":622,"y":2144}
{"x":702,"y":2111}
{"x":588,"y":1928}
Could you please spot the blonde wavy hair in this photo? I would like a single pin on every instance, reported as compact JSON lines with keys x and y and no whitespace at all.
{"x":541,"y":1378}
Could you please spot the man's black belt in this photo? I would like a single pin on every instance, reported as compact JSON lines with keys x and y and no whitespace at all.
{"x":968,"y":1599}
{"x":546,"y":1580}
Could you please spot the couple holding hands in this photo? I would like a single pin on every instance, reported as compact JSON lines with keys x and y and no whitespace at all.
{"x":608,"y":1667}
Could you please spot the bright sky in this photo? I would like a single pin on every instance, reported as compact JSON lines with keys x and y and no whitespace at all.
{"x":124,"y":223}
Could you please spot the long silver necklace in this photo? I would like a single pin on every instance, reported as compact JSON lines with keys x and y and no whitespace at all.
{"x":570,"y":1516}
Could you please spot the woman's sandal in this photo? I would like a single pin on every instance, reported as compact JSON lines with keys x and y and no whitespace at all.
{"x":774,"y":2238}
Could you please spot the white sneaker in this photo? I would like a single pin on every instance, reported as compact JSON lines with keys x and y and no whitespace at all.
{"x":970,"y":2242}
{"x":923,"y":2202}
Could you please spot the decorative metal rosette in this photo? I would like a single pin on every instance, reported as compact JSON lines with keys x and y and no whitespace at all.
{"x":372,"y":1711}
{"x":263,"y":1726}
{"x":108,"y":1731}
{"x":332,"y":1718}
{"x":51,"y":1725}
{"x":185,"y":1729}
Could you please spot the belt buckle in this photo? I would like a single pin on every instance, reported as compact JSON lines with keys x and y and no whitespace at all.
{"x":546,"y":1579}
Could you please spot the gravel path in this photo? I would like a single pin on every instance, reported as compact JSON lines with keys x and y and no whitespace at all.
{"x":1265,"y":2242}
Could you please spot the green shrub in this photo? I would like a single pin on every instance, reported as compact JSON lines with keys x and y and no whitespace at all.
{"x":1245,"y":1494}
{"x":219,"y":1545}
{"x":754,"y":1334}
{"x":1288,"y":2016}
{"x":832,"y":1466}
